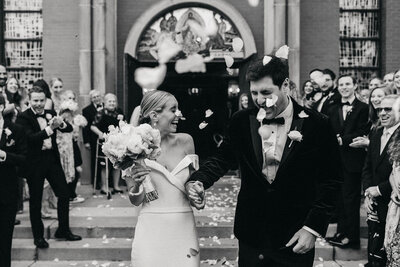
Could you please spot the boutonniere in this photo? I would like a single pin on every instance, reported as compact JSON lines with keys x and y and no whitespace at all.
{"x":7,"y":132}
{"x":48,"y":116}
{"x":120,"y":117}
{"x":349,"y":110}
{"x":303,"y":115}
{"x":295,"y":136}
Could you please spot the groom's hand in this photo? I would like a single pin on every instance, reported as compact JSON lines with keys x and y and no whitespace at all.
{"x":195,"y":193}
{"x":305,"y":241}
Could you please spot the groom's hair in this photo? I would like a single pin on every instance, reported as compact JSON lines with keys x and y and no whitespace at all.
{"x":276,"y":68}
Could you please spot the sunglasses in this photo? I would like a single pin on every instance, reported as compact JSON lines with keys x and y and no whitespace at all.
{"x":387,"y":110}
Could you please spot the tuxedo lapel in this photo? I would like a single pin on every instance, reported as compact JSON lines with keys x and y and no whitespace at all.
{"x":297,"y":125}
{"x":256,"y":138}
{"x":33,"y":117}
{"x":3,"y":139}
{"x":341,"y":119}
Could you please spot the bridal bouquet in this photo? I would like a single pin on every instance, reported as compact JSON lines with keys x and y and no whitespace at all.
{"x":127,"y":146}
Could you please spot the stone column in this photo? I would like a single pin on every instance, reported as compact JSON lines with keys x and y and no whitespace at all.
{"x":269,"y":26}
{"x":280,"y":23}
{"x":84,"y":52}
{"x":294,"y":40}
{"x":99,"y":46}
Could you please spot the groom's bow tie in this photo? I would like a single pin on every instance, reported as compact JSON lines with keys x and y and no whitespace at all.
{"x":345,"y":104}
{"x":280,"y":121}
{"x":40,"y":115}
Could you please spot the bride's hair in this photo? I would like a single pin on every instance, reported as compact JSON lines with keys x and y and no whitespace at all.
{"x":153,"y":101}
{"x":394,"y":146}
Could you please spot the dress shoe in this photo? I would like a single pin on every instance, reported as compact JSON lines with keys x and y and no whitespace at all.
{"x":41,"y":243}
{"x":67,"y":235}
{"x":17,"y":222}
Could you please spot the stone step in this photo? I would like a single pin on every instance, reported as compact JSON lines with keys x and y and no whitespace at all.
{"x":205,"y":263}
{"x":114,"y":249}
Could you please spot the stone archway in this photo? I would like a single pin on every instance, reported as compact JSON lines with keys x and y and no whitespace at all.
{"x":143,"y":22}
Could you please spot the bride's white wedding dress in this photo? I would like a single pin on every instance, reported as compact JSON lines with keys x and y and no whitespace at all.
{"x":165,"y":234}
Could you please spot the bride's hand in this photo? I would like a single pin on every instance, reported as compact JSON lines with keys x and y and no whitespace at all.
{"x":137,"y":174}
{"x":195,"y":192}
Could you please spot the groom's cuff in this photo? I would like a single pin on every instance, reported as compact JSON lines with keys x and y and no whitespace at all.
{"x":308,"y":229}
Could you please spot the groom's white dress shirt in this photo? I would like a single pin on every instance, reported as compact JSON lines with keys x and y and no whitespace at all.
{"x":273,"y":146}
{"x":273,"y":149}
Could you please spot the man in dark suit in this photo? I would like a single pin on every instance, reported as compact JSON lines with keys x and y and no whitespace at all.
{"x":376,"y":173}
{"x":12,"y":153}
{"x":41,"y":128}
{"x":349,"y":119}
{"x":330,"y":94}
{"x":288,"y":187}
{"x":89,"y":138}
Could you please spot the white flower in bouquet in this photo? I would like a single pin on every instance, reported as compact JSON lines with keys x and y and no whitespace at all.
{"x":80,"y":121}
{"x":69,"y":105}
{"x":127,"y":146}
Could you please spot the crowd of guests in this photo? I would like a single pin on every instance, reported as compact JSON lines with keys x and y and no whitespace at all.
{"x":39,"y":133}
{"x":366,"y":123}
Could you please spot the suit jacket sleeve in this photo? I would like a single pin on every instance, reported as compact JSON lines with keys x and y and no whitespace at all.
{"x":18,"y":157}
{"x":385,"y":188}
{"x":328,"y":181}
{"x":362,"y":127}
{"x":86,"y":129}
{"x":216,"y":166}
{"x":32,"y":136}
{"x":66,"y":129}
{"x":367,"y":169}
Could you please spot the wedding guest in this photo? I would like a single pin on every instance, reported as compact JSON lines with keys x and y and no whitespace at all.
{"x":396,"y":82}
{"x":56,"y":89}
{"x":77,"y":121}
{"x":110,"y":115}
{"x":306,"y":92}
{"x":388,"y":79}
{"x":392,"y":231}
{"x":284,"y":202}
{"x":13,"y":149}
{"x":375,"y":99}
{"x":364,"y":95}
{"x":43,"y":84}
{"x":243,"y":101}
{"x":330,"y":94}
{"x":375,"y":178}
{"x":89,"y":137}
{"x":349,"y":119}
{"x":41,"y":127}
{"x":374,"y":83}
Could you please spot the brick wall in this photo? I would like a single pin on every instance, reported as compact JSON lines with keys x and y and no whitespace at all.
{"x":129,"y":10}
{"x":319,"y":36}
{"x":61,"y":41}
{"x":390,"y":35}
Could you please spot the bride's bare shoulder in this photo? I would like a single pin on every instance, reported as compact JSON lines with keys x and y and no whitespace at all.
{"x":185,"y":141}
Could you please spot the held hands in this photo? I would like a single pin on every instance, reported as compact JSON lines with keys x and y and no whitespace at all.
{"x":196,"y":194}
{"x":305,"y":241}
{"x":368,"y":202}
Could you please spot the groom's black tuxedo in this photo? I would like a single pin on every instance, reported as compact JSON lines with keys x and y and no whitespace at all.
{"x":44,"y":164}
{"x":305,"y":187}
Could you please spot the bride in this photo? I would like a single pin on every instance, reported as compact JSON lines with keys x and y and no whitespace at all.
{"x":165,"y":233}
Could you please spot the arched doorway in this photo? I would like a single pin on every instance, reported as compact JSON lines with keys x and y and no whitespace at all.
{"x":196,"y":92}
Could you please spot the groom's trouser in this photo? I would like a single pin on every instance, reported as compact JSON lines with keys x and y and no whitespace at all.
{"x":50,"y":168}
{"x":253,"y":257}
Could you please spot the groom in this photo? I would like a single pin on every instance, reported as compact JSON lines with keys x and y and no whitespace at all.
{"x":289,"y":177}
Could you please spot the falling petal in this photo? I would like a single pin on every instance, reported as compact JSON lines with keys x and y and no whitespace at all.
{"x":56,"y":259}
{"x":237,"y":44}
{"x":86,"y":245}
{"x":150,"y":77}
{"x":254,"y":3}
{"x":320,"y":259}
{"x":271,"y":101}
{"x":104,"y":236}
{"x":265,"y":132}
{"x":193,"y":63}
{"x":194,"y":252}
{"x":209,"y":112}
{"x":203,"y":125}
{"x":95,"y":262}
{"x":228,"y":61}
{"x":167,"y":49}
{"x":89,"y":218}
{"x":266,"y":60}
{"x":230,"y":71}
{"x":283,"y":52}
{"x":261,"y":114}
